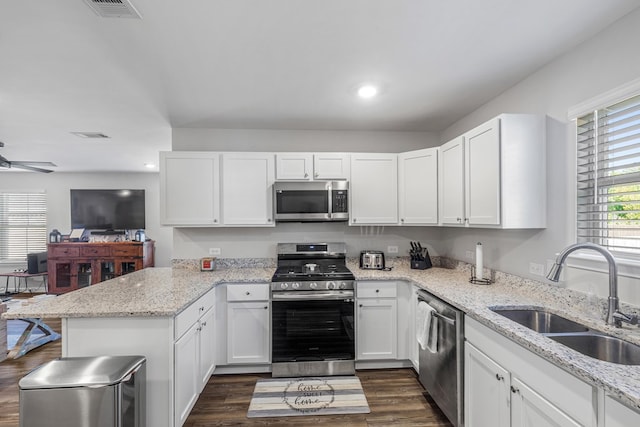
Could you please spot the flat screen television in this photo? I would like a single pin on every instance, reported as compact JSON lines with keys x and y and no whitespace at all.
{"x":107,"y":209}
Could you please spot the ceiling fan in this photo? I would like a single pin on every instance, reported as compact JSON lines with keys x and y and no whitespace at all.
{"x":8,"y":164}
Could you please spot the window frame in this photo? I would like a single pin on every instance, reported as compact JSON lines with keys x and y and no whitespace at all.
{"x":25,"y":192}
{"x":628,"y":263}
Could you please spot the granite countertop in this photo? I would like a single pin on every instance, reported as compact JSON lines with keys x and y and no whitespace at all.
{"x":167,"y":291}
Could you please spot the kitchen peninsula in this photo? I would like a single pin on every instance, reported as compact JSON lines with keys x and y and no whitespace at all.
{"x":143,"y":313}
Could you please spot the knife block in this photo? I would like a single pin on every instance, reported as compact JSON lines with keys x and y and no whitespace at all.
{"x":422,"y":264}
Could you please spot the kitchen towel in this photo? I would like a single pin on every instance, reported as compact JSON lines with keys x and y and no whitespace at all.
{"x":427,"y":327}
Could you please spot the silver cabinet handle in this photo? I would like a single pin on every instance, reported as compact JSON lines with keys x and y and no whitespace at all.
{"x":215,"y":220}
{"x":248,"y":293}
{"x":377,"y":290}
{"x":268,"y":219}
{"x":459,"y":219}
{"x":354,"y":220}
{"x":401,"y":219}
{"x":266,"y":307}
{"x":204,"y":323}
{"x":360,"y":306}
{"x":514,"y":390}
{"x":306,"y":175}
{"x":499,"y":377}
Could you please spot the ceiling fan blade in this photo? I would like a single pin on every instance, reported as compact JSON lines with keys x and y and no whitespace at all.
{"x":13,"y":162}
{"x":30,"y":168}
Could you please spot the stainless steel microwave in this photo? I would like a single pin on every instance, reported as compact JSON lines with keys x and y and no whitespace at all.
{"x":311,"y":201}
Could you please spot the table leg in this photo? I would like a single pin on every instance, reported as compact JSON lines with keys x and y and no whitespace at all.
{"x":27,"y":343}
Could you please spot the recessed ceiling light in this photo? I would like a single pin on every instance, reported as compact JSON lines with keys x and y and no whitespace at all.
{"x":149,"y":165}
{"x":367,"y":91}
{"x":98,"y":135}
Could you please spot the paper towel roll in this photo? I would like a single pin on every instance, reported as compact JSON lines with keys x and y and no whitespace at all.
{"x":479,"y":261}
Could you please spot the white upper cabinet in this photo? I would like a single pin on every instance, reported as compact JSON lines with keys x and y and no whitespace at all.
{"x":374,"y":189}
{"x":309,"y":166}
{"x":294,"y":166}
{"x":189,"y":188}
{"x":247,"y":181}
{"x":452,"y":182}
{"x":331,"y":166}
{"x":503,"y":177}
{"x":418,"y":187}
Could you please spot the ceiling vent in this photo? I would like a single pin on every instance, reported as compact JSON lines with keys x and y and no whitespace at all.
{"x":94,"y":135}
{"x":114,"y":8}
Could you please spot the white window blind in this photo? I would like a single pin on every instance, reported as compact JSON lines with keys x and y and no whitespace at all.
{"x":23,"y":224}
{"x":608,"y":180}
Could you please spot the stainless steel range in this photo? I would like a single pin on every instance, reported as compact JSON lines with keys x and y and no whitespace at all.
{"x":312,"y":311}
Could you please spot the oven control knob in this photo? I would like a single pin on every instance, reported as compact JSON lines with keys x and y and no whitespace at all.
{"x":313,"y":285}
{"x":343,"y":285}
{"x":284,"y":285}
{"x":295,"y":285}
{"x":331,"y":285}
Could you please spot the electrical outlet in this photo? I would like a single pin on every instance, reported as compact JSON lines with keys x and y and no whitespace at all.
{"x":470,"y":255}
{"x":214,"y":251}
{"x":392,"y":249}
{"x":536,"y":269}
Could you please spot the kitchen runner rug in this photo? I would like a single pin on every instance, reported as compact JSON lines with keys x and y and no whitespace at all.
{"x":286,"y":397}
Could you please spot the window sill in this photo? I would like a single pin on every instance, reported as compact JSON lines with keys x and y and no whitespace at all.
{"x":627,"y":266}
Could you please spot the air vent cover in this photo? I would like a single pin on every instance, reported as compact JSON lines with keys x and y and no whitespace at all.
{"x":114,"y":8}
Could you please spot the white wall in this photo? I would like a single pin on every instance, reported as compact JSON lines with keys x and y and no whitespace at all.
{"x":57,"y":186}
{"x":261,"y":242}
{"x":300,"y":140}
{"x":606,"y":61}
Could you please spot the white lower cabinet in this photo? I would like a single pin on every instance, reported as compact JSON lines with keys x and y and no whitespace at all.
{"x":486,"y":390}
{"x":507,"y":385}
{"x":376,"y":321}
{"x":248,"y":338}
{"x":529,"y":409}
{"x":186,"y":385}
{"x":618,"y":415}
{"x":193,"y":354}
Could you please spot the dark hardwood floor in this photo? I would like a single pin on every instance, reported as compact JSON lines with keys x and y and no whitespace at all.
{"x":395,"y":397}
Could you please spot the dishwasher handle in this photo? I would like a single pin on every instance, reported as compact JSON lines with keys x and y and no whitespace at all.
{"x":443,"y":317}
{"x":436,"y":314}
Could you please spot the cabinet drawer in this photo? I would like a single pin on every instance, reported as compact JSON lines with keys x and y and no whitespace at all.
{"x":248,"y":292}
{"x":376,"y":289}
{"x":190,"y":315}
{"x":63,"y":251}
{"x":93,"y":251}
{"x":127,"y":251}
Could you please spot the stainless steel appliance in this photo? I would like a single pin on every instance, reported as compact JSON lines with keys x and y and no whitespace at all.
{"x":102,"y":391}
{"x":311,"y":201}
{"x":372,"y":260}
{"x":442,"y":372}
{"x":312,"y":311}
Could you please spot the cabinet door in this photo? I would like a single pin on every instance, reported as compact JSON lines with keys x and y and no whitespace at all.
{"x":482,"y":159}
{"x":248,"y":332}
{"x":207,"y":348}
{"x":374,"y":189}
{"x":247,"y":181}
{"x":186,"y":375}
{"x":486,"y":390}
{"x":452,"y":182}
{"x":377,"y":328}
{"x":618,"y":415}
{"x":189,"y":188}
{"x":418,"y":187}
{"x":529,"y":409}
{"x":331,"y":166}
{"x":294,"y":166}
{"x":62,"y":276}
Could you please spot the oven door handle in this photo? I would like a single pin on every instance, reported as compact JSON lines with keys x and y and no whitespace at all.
{"x":346,"y":296}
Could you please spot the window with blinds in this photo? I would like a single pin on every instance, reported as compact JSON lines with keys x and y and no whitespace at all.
{"x":608,"y":166}
{"x":23,"y":224}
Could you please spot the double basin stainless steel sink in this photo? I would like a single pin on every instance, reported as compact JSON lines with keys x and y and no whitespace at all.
{"x":575,"y":335}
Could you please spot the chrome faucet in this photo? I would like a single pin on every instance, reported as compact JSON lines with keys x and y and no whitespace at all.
{"x":614,"y":316}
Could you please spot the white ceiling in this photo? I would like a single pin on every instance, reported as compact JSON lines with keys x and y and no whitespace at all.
{"x":277,"y":64}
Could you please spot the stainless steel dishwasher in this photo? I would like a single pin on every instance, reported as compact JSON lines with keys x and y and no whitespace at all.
{"x":442,"y":372}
